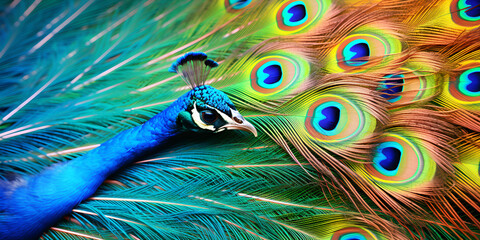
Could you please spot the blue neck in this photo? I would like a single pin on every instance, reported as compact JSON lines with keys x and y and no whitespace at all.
{"x":130,"y":144}
{"x":41,"y":200}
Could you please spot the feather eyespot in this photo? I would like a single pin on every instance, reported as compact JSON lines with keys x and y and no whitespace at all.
{"x":465,"y":12}
{"x":270,"y":75}
{"x":353,"y":233}
{"x":462,"y":92}
{"x":273,"y":74}
{"x":465,"y":87}
{"x":387,"y":158}
{"x":356,"y":53}
{"x":358,"y":50}
{"x":409,"y":85}
{"x":397,"y":160}
{"x":233,"y":5}
{"x":469,"y":82}
{"x":333,"y":118}
{"x":392,"y":87}
{"x":364,"y":49}
{"x":208,"y":116}
{"x":295,"y":15}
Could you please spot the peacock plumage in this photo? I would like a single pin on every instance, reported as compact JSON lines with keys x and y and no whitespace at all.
{"x":367,"y":113}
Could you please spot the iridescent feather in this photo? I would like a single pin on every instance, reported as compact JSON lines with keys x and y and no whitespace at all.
{"x":368,"y":115}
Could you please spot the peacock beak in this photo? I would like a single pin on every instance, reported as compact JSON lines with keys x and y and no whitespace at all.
{"x":237,"y":122}
{"x":243,"y":125}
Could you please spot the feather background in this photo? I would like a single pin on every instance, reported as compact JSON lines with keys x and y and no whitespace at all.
{"x":333,"y":86}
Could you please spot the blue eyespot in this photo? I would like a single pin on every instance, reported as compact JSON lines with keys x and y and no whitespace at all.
{"x":270,"y":75}
{"x":277,"y":73}
{"x":472,"y":8}
{"x":392,"y":158}
{"x":356,"y":53}
{"x":238,"y":4}
{"x":331,"y":117}
{"x":327,"y":117}
{"x":392,"y":87}
{"x":295,"y":14}
{"x":465,"y":12}
{"x":469,"y":82}
{"x":474,"y":79}
{"x":387,"y":158}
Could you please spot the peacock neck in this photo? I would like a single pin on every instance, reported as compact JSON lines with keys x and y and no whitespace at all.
{"x":129,"y":145}
{"x":126,"y":147}
{"x":43,"y":199}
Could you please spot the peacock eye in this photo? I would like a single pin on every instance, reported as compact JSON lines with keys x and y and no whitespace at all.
{"x":208,"y":116}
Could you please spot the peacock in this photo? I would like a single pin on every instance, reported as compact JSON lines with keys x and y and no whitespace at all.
{"x":359,"y":119}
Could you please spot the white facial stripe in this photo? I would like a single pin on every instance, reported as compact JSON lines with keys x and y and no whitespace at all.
{"x":196,"y":118}
{"x":230,"y":120}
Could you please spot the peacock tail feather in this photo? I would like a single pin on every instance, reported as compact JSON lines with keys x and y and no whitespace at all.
{"x":368,"y":115}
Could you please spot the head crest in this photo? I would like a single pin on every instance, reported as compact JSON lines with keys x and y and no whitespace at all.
{"x":194,"y":68}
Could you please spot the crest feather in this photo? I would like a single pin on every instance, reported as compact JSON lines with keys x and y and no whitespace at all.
{"x":194,"y":68}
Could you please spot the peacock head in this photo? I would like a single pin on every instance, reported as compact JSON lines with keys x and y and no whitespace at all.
{"x":208,"y":109}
